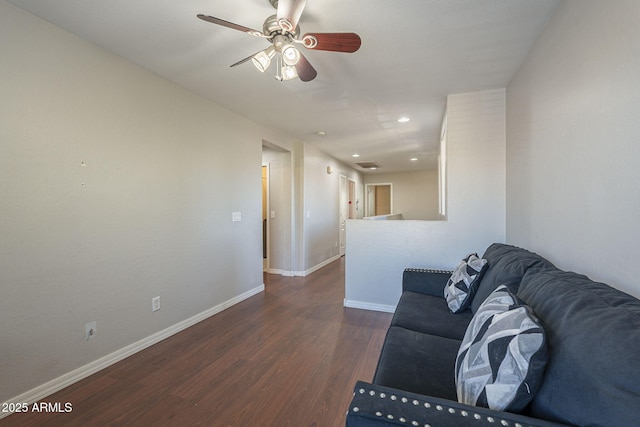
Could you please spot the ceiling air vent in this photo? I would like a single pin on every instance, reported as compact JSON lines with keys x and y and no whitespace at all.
{"x":368,"y":165}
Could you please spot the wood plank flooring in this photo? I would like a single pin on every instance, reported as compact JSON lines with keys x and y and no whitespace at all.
{"x":287,"y":357}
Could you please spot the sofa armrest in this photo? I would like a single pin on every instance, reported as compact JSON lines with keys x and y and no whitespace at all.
{"x":425,"y":281}
{"x":378,"y":406}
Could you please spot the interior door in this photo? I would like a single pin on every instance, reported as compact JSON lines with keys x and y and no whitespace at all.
{"x":383,"y":200}
{"x":352,"y":200}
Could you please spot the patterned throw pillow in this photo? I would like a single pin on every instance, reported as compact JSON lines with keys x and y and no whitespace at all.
{"x":502,"y":357}
{"x":463,"y":283}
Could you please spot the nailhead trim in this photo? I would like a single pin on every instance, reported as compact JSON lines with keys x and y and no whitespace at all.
{"x":429,"y":270}
{"x":427,"y":405}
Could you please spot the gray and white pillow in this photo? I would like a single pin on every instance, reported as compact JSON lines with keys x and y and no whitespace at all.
{"x":503,"y":355}
{"x":464,"y":282}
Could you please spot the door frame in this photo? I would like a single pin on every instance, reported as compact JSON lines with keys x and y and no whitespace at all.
{"x":343,"y":191}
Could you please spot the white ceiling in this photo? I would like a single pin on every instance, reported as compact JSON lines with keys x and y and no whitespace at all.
{"x":414,"y":53}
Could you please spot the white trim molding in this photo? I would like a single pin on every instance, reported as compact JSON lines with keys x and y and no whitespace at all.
{"x":316,"y":267}
{"x":369,"y":306}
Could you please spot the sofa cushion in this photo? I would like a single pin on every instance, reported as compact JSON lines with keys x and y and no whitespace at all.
{"x":462,"y":285}
{"x":593,"y":332}
{"x":430,"y":315}
{"x":506,"y":265}
{"x":417,"y":362}
{"x":502,"y":356}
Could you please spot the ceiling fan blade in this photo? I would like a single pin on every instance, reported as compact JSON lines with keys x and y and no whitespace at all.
{"x":334,"y":42}
{"x":289,"y":12}
{"x":305,"y":70}
{"x":242,"y":61}
{"x":231,"y":25}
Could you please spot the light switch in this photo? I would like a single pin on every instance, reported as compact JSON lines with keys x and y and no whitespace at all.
{"x":273,"y":214}
{"x":236,"y":216}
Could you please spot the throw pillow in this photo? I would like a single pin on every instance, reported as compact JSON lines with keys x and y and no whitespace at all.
{"x":463,"y":283}
{"x":502,"y":356}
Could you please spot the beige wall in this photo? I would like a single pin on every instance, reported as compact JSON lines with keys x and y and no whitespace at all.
{"x":573,"y":151}
{"x":320,"y":210}
{"x":116,"y":186}
{"x":415,"y":194}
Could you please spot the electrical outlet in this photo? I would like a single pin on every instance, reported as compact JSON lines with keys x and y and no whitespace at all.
{"x":90,"y":330}
{"x":155,"y":304}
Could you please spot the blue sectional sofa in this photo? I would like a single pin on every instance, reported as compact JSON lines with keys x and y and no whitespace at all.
{"x":592,"y":332}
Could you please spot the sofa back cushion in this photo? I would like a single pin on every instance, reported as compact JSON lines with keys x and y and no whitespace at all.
{"x":506,"y":265}
{"x":593,"y":334}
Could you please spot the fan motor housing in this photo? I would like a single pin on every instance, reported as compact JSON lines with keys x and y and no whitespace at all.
{"x":271,"y":28}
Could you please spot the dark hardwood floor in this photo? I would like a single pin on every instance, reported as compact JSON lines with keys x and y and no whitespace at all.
{"x":287,"y":357}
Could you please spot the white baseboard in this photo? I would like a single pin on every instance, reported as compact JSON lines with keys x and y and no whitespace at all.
{"x":369,"y":306}
{"x":280,"y":272}
{"x":305,"y":273}
{"x":47,"y":389}
{"x":316,"y":267}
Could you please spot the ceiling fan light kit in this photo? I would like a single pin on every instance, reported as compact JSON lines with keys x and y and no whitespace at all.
{"x":289,"y":72}
{"x":283,"y":32}
{"x":262,"y":59}
{"x":290,"y":55}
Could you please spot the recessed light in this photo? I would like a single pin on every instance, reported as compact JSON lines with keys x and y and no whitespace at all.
{"x":373,"y":168}
{"x":403,"y":119}
{"x":321,"y":133}
{"x":414,"y":159}
{"x":355,"y":155}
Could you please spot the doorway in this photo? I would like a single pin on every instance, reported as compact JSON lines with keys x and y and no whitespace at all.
{"x":379,"y":199}
{"x":277,"y":210}
{"x":348,"y":208}
{"x":265,"y":218}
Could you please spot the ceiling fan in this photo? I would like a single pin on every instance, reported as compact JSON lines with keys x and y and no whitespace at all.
{"x":283,"y":32}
